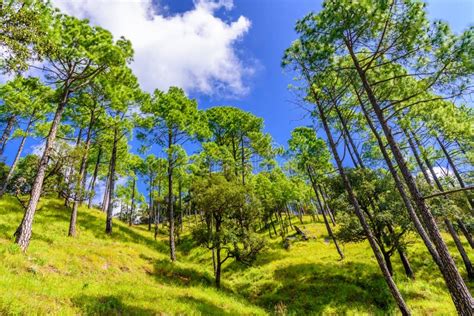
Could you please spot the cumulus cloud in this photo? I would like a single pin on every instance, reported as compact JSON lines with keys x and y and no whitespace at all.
{"x":194,"y":50}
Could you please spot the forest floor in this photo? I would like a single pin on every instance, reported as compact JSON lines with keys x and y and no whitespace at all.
{"x":129,"y":273}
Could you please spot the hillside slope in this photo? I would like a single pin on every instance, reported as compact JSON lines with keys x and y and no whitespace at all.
{"x":129,"y":273}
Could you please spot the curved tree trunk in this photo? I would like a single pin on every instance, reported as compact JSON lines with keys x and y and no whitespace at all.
{"x":23,"y":232}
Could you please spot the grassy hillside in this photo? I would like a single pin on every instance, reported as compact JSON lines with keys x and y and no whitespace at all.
{"x":130,"y":274}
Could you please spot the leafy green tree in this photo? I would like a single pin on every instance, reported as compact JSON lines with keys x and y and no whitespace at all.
{"x":23,"y":33}
{"x":29,"y":100}
{"x":240,"y":138}
{"x":222,"y":203}
{"x":80,"y":53}
{"x":123,"y":94}
{"x":313,"y":159}
{"x":387,"y":219}
{"x":171,"y":118}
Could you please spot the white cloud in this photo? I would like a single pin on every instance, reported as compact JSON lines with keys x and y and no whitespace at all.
{"x":194,"y":50}
{"x":441,"y":172}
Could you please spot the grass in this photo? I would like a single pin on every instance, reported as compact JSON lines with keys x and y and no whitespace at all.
{"x":129,"y":273}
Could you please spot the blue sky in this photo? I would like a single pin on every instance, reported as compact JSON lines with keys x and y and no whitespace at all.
{"x":271,"y":33}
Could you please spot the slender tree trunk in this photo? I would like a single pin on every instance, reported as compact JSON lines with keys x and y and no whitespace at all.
{"x":157,"y":210}
{"x":462,"y":251}
{"x":417,"y":157}
{"x":403,"y":257}
{"x":398,"y":183}
{"x":17,"y":157}
{"x":328,"y":209}
{"x":180,"y":205}
{"x":349,"y":138}
{"x":218,"y":253}
{"x":23,"y":233}
{"x":242,"y":149}
{"x":428,"y":163}
{"x":288,"y":216}
{"x":218,"y":267}
{"x":388,"y":261}
{"x":150,"y":204}
{"x":105,"y":201}
{"x":82,"y":171}
{"x":214,"y":261}
{"x":406,"y":264}
{"x":326,"y":223}
{"x":83,"y":187}
{"x":353,"y":200}
{"x":132,"y":207}
{"x":170,"y":197}
{"x":448,"y":223}
{"x":300,"y":213}
{"x":94,"y":178}
{"x":273,"y":225}
{"x":455,"y":170}
{"x":6,"y":133}
{"x":461,"y":296}
{"x":466,"y":232}
{"x":110,"y":199}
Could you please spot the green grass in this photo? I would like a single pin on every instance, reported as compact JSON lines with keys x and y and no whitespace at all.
{"x":129,"y":273}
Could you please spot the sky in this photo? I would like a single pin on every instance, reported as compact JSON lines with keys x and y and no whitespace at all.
{"x":222,"y":52}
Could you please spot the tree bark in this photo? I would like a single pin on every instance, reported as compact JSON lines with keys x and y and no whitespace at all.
{"x":466,"y":232}
{"x":170,"y":197}
{"x":455,"y":170}
{"x":406,"y":264}
{"x":328,"y":209}
{"x":110,"y":197}
{"x":6,"y":133}
{"x":94,"y":177}
{"x":78,"y":195}
{"x":428,"y":163}
{"x":150,"y":204}
{"x":460,"y":247}
{"x":218,"y":253}
{"x":417,"y":157}
{"x":388,"y":261}
{"x":23,"y":232}
{"x":326,"y":222}
{"x":132,"y":206}
{"x":349,"y":138}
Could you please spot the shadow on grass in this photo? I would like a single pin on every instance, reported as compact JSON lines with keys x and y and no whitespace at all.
{"x":53,"y":212}
{"x":107,"y":305}
{"x":203,"y":307}
{"x":175,"y":274}
{"x":309,"y":288}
